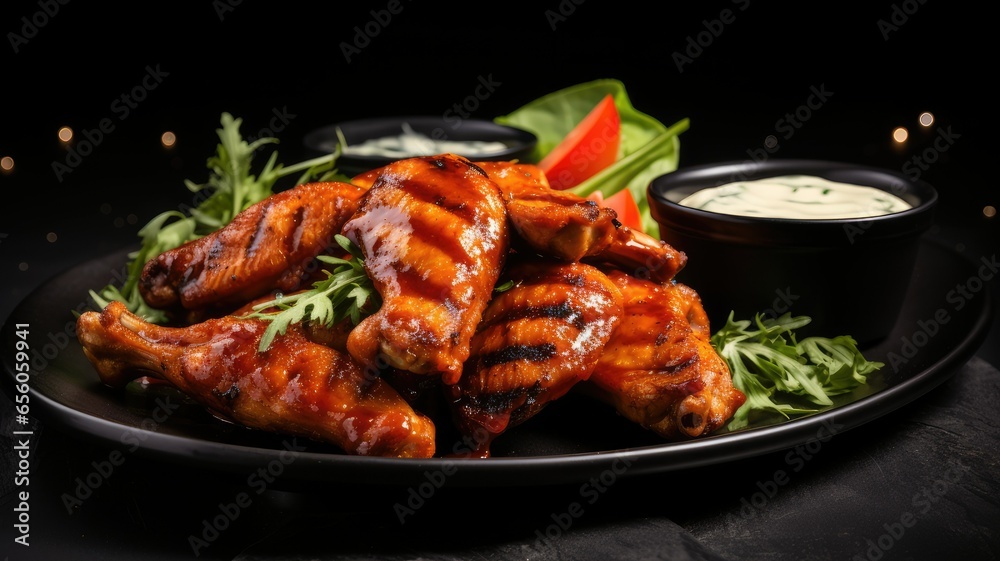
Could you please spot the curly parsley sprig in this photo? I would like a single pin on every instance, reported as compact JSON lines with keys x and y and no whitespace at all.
{"x":232,"y":187}
{"x":768,"y":362}
{"x":347,"y":292}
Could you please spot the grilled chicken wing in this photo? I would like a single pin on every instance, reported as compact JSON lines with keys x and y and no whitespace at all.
{"x":569,"y":227}
{"x":433,"y":231}
{"x":572,"y":228}
{"x":659,"y":369}
{"x":269,"y":246}
{"x":296,"y":387}
{"x":535,"y":342}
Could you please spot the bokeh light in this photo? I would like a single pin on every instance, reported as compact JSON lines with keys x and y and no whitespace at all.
{"x":65,"y":134}
{"x":7,"y":164}
{"x":926,"y":119}
{"x":168,"y":139}
{"x":989,"y":211}
{"x":900,"y":134}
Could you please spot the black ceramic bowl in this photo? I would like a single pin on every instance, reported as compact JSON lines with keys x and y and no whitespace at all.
{"x":850,"y":275}
{"x":514,"y":143}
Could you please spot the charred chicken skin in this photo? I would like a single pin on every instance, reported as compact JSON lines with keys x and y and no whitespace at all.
{"x":296,"y":387}
{"x":434,"y":235}
{"x":659,"y":368}
{"x":573,"y":228}
{"x":535,"y":342}
{"x":267,"y":247}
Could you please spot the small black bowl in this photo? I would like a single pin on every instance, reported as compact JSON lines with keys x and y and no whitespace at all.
{"x":518,"y":144}
{"x":850,"y":275}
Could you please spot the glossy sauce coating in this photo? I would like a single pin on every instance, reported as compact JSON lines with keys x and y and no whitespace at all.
{"x":572,"y":228}
{"x":296,"y":387}
{"x":268,"y":246}
{"x":536,"y":341}
{"x":659,"y":369}
{"x":434,"y":235}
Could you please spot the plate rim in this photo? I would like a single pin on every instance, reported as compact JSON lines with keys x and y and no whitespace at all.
{"x":510,"y":471}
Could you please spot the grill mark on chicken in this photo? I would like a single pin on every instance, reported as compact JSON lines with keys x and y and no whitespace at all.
{"x":433,"y":231}
{"x":296,"y":387}
{"x":535,"y":342}
{"x":428,"y":192}
{"x":427,"y":229}
{"x":503,"y":402}
{"x":661,"y":371}
{"x":478,"y":168}
{"x":295,"y":238}
{"x":254,"y":242}
{"x":562,"y":311}
{"x":679,"y":366}
{"x":269,"y":246}
{"x":510,"y":353}
{"x":229,"y":396}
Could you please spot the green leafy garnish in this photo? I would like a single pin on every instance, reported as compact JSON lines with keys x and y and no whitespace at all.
{"x":505,"y":286}
{"x":648,"y":148}
{"x":767,"y":361}
{"x":347,"y":292}
{"x":230,"y":189}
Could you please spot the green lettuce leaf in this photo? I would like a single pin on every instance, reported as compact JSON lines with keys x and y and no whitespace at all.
{"x":648,"y":148}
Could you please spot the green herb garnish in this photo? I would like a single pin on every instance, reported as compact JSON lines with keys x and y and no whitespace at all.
{"x":347,"y":292}
{"x":767,"y":361}
{"x":230,"y":189}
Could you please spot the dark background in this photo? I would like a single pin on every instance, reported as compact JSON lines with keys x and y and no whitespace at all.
{"x":256,"y":60}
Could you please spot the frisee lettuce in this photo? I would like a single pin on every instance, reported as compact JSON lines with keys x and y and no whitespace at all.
{"x":232,"y":189}
{"x":769,"y":364}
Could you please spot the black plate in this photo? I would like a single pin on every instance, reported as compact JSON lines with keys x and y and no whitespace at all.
{"x":519,"y":143}
{"x":574,"y":438}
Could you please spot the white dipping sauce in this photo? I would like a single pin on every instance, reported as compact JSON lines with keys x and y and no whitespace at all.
{"x":411,"y":143}
{"x":796,"y":196}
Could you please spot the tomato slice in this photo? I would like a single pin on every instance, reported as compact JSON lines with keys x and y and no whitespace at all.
{"x":591,"y":146}
{"x":624,"y":205}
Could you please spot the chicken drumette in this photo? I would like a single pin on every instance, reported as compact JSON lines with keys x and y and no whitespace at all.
{"x":659,"y":368}
{"x":571,"y":228}
{"x":269,"y":246}
{"x":296,"y":387}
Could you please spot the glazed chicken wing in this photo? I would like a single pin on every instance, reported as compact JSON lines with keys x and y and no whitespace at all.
{"x":659,"y":369}
{"x":572,"y":228}
{"x":269,"y":246}
{"x":433,"y":232}
{"x":535,"y":342}
{"x":569,"y":227}
{"x":296,"y":387}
